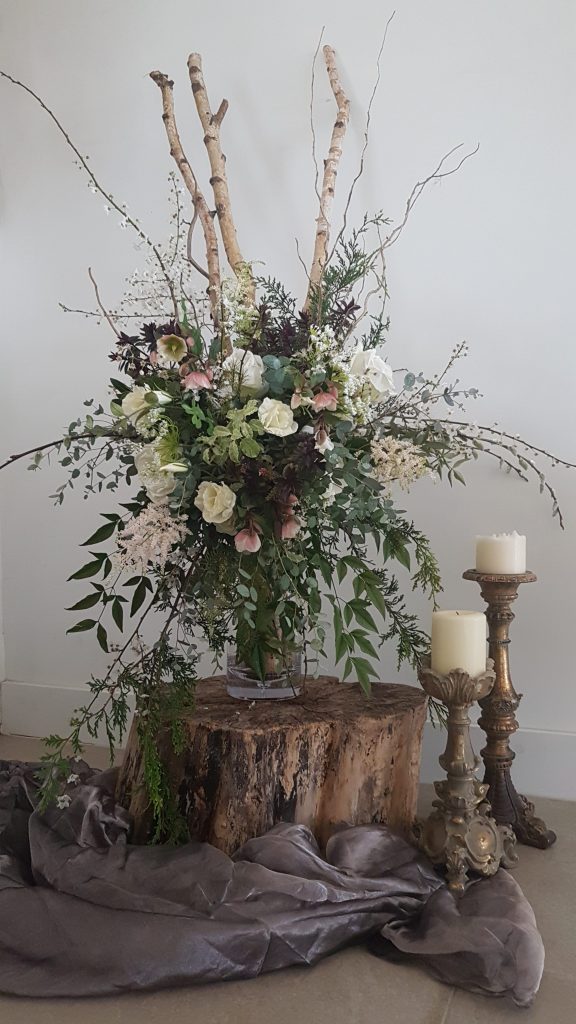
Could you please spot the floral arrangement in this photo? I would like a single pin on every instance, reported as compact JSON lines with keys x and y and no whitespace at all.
{"x":265,"y":441}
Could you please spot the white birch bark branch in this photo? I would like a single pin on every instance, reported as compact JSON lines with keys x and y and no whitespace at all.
{"x":329,"y":179}
{"x":211,"y":126}
{"x":200,"y":205}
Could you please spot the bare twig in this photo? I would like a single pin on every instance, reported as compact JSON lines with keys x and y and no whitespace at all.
{"x":312,"y":129}
{"x":360,"y":170}
{"x":101,"y":307}
{"x":329,"y":178}
{"x":211,"y":127}
{"x":177,"y":153}
{"x":189,"y":255}
{"x":419,"y":187}
{"x":300,"y":258}
{"x":109,"y":199}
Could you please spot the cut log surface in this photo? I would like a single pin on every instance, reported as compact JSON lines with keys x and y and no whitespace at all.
{"x":330,"y":757}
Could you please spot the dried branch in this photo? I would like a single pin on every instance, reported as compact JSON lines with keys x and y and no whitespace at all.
{"x":101,"y":307}
{"x":329,"y":179}
{"x":211,"y":127}
{"x":177,"y":153}
{"x":109,"y":199}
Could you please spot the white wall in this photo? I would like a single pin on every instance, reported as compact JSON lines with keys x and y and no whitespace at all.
{"x":488,"y":256}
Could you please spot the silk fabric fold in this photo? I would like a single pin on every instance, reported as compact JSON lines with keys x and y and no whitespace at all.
{"x":84,"y":913}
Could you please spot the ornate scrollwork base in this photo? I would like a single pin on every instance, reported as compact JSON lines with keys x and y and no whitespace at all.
{"x":461,"y":833}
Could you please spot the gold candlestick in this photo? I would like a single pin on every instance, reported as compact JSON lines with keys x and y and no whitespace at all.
{"x":498,"y":718}
{"x":460,"y":833}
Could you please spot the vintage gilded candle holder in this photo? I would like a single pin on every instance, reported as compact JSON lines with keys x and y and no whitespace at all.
{"x":498,"y":718}
{"x":461,"y":833}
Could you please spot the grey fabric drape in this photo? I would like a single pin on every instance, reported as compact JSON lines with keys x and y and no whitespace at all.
{"x":82,"y":912}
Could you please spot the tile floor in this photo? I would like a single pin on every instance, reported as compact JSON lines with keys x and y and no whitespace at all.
{"x":354,"y":987}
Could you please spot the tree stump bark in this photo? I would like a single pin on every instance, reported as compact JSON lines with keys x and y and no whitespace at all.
{"x":332,"y":756}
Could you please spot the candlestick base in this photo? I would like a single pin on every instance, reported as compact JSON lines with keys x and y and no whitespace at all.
{"x":461,"y":833}
{"x":498,"y":719}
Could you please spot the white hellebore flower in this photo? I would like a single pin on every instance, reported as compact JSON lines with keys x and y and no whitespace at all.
{"x":140,"y":400}
{"x":377,"y":373}
{"x":158,"y":482}
{"x":215,"y":501}
{"x":244,"y":369}
{"x":277,"y":418}
{"x":170,"y":349}
{"x":323,"y":442}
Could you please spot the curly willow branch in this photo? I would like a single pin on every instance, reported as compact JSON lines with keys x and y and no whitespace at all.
{"x":106,"y":195}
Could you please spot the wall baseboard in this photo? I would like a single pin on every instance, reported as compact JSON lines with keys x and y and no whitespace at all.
{"x":544,"y":765}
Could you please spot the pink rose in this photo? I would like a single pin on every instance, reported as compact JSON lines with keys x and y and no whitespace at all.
{"x":326,"y":400}
{"x":197,"y":379}
{"x":247,"y":540}
{"x":290,"y":528}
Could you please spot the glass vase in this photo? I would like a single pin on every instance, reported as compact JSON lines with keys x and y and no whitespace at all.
{"x":282,"y":682}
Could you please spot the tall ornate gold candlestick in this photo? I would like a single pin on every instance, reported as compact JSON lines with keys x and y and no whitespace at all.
{"x":499,"y":707}
{"x":460,"y":833}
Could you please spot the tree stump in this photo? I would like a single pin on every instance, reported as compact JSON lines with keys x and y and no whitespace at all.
{"x":329,"y":757}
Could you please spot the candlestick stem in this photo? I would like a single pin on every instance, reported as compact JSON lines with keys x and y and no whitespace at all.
{"x":460,"y":833}
{"x":498,"y":719}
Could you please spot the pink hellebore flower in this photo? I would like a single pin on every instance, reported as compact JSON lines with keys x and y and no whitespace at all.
{"x":290,"y":528}
{"x":326,"y":400}
{"x":197,"y":379}
{"x":247,"y":540}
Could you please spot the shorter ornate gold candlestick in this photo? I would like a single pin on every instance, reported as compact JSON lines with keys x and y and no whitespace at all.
{"x":460,"y":833}
{"x":498,"y":718}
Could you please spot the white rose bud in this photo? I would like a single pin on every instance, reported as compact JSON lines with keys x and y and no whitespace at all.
{"x":378,"y":375}
{"x":215,"y":501}
{"x":277,"y":418}
{"x":244,"y":370}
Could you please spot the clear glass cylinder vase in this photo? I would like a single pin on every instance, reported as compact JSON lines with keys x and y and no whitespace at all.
{"x":282,"y":682}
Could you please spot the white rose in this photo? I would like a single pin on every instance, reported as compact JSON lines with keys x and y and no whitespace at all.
{"x":141,"y":400}
{"x":378,"y":375}
{"x":170,"y":349}
{"x":136,"y":403}
{"x":244,"y":369}
{"x":215,"y":501}
{"x":157,"y":482}
{"x":277,"y":418}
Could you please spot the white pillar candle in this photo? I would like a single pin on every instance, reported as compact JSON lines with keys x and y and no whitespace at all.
{"x":502,"y":553}
{"x":458,"y":641}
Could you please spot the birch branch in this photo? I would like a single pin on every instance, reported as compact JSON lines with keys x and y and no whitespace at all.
{"x":211,"y":126}
{"x":329,"y":179}
{"x":200,"y":205}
